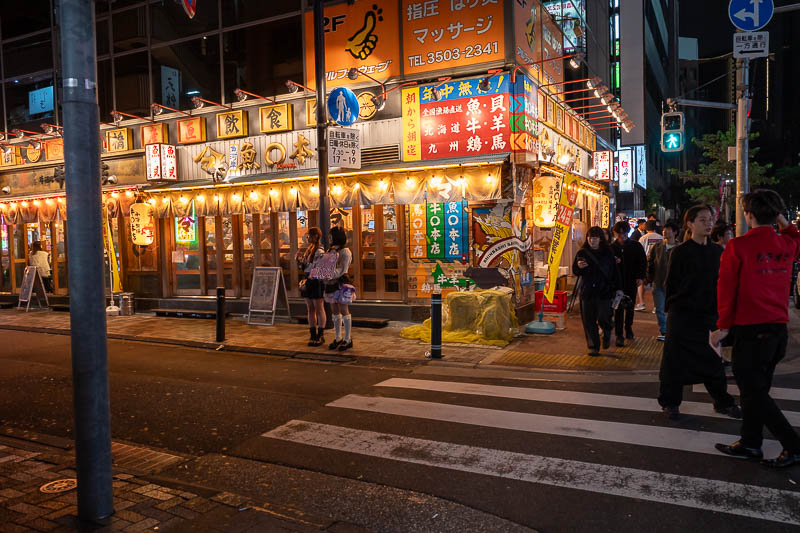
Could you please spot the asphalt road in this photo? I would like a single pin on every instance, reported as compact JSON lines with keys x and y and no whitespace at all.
{"x":396,"y":449}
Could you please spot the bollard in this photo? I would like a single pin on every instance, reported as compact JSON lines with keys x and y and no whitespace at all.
{"x":436,"y":326}
{"x":220,"y":314}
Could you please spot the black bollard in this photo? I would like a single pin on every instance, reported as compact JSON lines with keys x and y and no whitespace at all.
{"x":436,"y":326}
{"x":220,"y":314}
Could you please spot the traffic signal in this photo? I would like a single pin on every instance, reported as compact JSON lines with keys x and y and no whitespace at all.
{"x":672,"y":132}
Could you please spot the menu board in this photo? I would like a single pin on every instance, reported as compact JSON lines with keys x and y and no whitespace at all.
{"x":267,"y":283}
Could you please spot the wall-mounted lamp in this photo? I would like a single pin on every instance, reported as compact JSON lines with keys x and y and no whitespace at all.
{"x":117,"y":116}
{"x":576,"y":61}
{"x":157,"y":109}
{"x":293,"y":87}
{"x":241,"y":95}
{"x":52,"y":129}
{"x":200,"y":103}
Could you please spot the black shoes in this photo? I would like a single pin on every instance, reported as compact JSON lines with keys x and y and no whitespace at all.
{"x":737,"y":449}
{"x":783,"y":460}
{"x":629,"y":334}
{"x":593,"y":352}
{"x":606,"y":340}
{"x":345,"y":345}
{"x":317,"y":337}
{"x":733,"y":411}
{"x":335,"y":344}
{"x":620,"y":342}
{"x":671,"y":412}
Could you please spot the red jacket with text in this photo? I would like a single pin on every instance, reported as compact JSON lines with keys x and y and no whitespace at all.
{"x":755,"y":275}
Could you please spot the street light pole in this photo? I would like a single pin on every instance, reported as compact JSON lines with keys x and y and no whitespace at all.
{"x":322,"y":122}
{"x":742,"y":158}
{"x":85,"y":236}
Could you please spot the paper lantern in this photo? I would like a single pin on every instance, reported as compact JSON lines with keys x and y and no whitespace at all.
{"x":546,"y":195}
{"x":143,"y":224}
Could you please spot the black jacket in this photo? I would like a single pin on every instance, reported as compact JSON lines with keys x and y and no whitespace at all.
{"x":634,"y":262}
{"x":601,"y":277}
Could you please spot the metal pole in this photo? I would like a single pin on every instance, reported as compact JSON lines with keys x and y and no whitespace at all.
{"x":322,"y":122}
{"x":742,"y":158}
{"x":220,"y":314}
{"x":436,"y":326}
{"x":85,"y":235}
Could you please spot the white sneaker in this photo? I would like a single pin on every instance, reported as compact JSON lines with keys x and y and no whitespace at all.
{"x":639,"y":307}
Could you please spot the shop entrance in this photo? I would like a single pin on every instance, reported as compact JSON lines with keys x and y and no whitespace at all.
{"x":380,"y":252}
{"x":16,"y":241}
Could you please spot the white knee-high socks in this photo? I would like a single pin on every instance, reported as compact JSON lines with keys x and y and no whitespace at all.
{"x":347,"y":320}
{"x":337,"y":326}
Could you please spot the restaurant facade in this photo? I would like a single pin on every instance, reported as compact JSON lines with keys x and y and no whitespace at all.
{"x":460,"y":178}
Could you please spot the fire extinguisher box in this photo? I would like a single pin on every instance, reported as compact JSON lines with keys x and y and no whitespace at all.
{"x":559,"y":304}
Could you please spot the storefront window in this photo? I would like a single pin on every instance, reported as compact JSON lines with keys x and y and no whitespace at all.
{"x":211,"y":253}
{"x":266,"y":235}
{"x":5,"y":260}
{"x":130,"y":78}
{"x":285,"y":246}
{"x":187,"y":247}
{"x":22,"y":93}
{"x":60,"y":257}
{"x":187,"y":69}
{"x":248,"y":242}
{"x":391,"y":250}
{"x":369,"y":282}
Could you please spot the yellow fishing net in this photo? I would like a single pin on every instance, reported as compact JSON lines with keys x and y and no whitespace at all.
{"x":475,"y":317}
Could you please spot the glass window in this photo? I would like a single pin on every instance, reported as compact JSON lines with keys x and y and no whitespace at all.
{"x":211,"y":253}
{"x":265,"y":234}
{"x":261,"y":58}
{"x":302,"y":228}
{"x":101,"y":37}
{"x":169,"y":22}
{"x":285,"y":245}
{"x":193,"y":66}
{"x":18,"y":101}
{"x":240,"y":11}
{"x":133,"y":95}
{"x":32,"y":54}
{"x":105,"y":94}
{"x":25,"y":17}
{"x":130,"y":29}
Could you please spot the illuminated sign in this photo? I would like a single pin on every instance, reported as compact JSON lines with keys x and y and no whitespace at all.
{"x":162,"y":162}
{"x":602,"y":165}
{"x":186,"y":229}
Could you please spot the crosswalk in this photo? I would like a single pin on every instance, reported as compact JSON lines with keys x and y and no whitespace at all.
{"x":602,"y":418}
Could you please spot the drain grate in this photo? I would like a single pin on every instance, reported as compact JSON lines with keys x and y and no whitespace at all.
{"x":59,"y":485}
{"x":142,"y":460}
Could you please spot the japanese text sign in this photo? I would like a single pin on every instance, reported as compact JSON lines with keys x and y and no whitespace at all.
{"x":143,"y":224}
{"x":344,"y":147}
{"x":54,"y":149}
{"x":364,"y":35}
{"x":154,"y":133}
{"x":602,"y":165}
{"x":437,"y":231}
{"x":528,"y":35}
{"x":162,"y":162}
{"x":751,"y":44}
{"x":275,"y":118}
{"x":561,"y":231}
{"x":441,"y":34}
{"x":625,"y":162}
{"x":119,"y":140}
{"x":456,"y":119}
{"x":524,"y":116}
{"x":231,"y":124}
{"x":192,"y":130}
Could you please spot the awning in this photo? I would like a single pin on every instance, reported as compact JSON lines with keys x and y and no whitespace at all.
{"x":32,"y":208}
{"x":444,"y":181}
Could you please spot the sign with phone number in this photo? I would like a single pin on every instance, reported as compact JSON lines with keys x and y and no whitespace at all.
{"x":455,"y":32}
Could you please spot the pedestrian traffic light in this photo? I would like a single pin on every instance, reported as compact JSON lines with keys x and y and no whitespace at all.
{"x":672,"y":134}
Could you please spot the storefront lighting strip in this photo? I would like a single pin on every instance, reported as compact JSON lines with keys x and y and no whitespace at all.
{"x":17,"y":199}
{"x":313,"y":177}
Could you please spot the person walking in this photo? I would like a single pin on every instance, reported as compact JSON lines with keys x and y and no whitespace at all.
{"x":312,"y":289}
{"x":633,"y":264}
{"x":596,"y":264}
{"x":721,"y":234}
{"x":657,"y":263}
{"x":338,"y":293}
{"x":647,"y":241}
{"x":691,"y":304}
{"x":638,"y":230}
{"x":41,"y":260}
{"x":753,"y":309}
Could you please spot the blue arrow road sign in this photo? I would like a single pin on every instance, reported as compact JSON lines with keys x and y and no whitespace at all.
{"x":343,"y":106}
{"x":750,"y":15}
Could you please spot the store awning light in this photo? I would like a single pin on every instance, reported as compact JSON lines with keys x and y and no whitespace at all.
{"x":200,"y":103}
{"x":293,"y":87}
{"x":241,"y":95}
{"x":158,"y":109}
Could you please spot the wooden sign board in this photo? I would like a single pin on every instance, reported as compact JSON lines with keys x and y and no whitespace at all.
{"x":32,"y":281}
{"x":267,"y":283}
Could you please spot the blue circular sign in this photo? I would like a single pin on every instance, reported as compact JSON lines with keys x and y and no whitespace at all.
{"x":343,"y":106}
{"x":750,"y":15}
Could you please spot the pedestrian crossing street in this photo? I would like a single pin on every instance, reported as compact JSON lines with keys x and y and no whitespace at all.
{"x":456,"y":404}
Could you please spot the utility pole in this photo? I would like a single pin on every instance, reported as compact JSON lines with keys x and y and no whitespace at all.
{"x":742,"y":158}
{"x":322,"y":122}
{"x":85,"y":236}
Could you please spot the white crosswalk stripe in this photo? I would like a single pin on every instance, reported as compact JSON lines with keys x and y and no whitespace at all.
{"x":752,"y":501}
{"x":777,"y":393}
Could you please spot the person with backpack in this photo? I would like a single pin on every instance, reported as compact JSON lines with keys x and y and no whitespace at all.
{"x":312,"y":289}
{"x":596,"y":265}
{"x":753,"y":309}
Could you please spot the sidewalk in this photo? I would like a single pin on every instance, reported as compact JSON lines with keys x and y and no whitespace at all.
{"x":37,"y":493}
{"x":565,"y":349}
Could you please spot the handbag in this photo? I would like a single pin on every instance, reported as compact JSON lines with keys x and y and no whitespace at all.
{"x":325,"y":266}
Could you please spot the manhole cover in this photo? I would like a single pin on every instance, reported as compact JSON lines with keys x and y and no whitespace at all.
{"x":59,"y":485}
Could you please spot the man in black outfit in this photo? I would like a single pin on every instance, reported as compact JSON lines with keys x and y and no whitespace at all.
{"x":639,"y":231}
{"x":633,"y":264}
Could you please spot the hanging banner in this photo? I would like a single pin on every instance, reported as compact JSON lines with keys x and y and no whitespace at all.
{"x":143,"y":224}
{"x":546,"y":196}
{"x":602,"y":165}
{"x":454,"y":231}
{"x":435,"y":231}
{"x":566,"y":207}
{"x":417,"y":227}
{"x":606,"y":218}
{"x":438,"y":231}
{"x":108,"y":240}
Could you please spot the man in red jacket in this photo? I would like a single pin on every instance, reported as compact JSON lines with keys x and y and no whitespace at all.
{"x":754,"y":277}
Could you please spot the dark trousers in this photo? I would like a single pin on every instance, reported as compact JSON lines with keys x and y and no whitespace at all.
{"x":756,"y":351}
{"x":624,"y":316}
{"x":595,"y":311}
{"x":670,"y":393}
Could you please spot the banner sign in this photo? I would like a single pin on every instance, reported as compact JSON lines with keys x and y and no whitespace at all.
{"x":364,"y":34}
{"x":602,"y":165}
{"x":606,"y":218}
{"x":525,"y":117}
{"x":162,"y":162}
{"x":448,"y":34}
{"x":571,"y":14}
{"x":456,"y":119}
{"x":624,"y":170}
{"x":437,"y":231}
{"x":561,"y":232}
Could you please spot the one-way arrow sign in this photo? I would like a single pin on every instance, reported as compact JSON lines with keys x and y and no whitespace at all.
{"x":750,"y":15}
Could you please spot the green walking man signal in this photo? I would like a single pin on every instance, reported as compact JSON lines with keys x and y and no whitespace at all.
{"x":672,"y":132}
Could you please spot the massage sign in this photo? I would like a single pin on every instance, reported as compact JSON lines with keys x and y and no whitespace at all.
{"x":456,"y":119}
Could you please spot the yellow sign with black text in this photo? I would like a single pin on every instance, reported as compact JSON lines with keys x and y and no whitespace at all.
{"x":570,"y":186}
